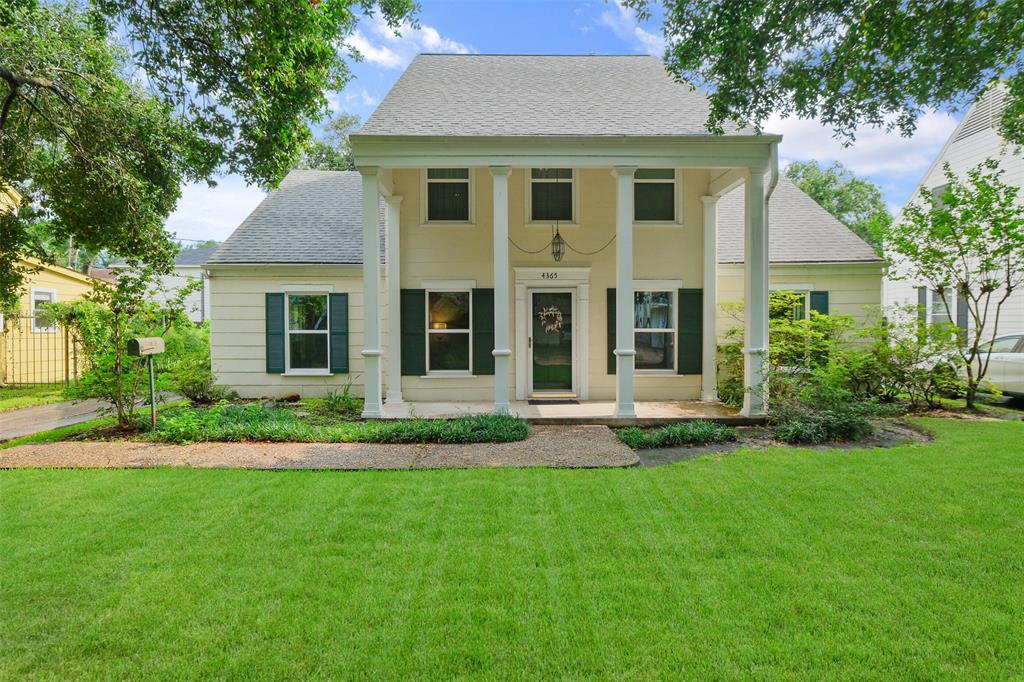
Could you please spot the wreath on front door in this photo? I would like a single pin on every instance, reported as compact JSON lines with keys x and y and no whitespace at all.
{"x":550,"y":319}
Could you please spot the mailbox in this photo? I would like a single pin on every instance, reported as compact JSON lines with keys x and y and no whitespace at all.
{"x":146,"y":345}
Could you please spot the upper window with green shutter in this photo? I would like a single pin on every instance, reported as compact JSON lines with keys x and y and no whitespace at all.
{"x":655,"y":195}
{"x":551,"y":195}
{"x":448,"y":193}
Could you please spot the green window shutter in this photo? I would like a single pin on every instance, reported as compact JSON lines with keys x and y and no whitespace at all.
{"x":414,"y":332}
{"x":339,"y":333}
{"x":691,"y":331}
{"x":611,"y":331}
{"x":819,"y":302}
{"x":483,"y":331}
{"x":275,"y":333}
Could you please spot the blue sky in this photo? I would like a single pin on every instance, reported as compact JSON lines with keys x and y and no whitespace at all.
{"x":554,"y":27}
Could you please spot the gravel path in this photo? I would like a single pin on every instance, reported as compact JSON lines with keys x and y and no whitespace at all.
{"x":547,"y":446}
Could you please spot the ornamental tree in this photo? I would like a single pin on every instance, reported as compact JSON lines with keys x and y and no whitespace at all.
{"x":966,"y":243}
{"x":846,"y":62}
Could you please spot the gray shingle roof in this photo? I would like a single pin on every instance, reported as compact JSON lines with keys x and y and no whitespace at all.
{"x":800,"y":231}
{"x":312,"y":217}
{"x":539,"y":95}
{"x":194,"y":256}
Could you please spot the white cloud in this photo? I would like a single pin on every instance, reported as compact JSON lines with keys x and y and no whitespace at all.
{"x":213,"y":212}
{"x":874,"y":151}
{"x":623,"y":23}
{"x":395,"y":50}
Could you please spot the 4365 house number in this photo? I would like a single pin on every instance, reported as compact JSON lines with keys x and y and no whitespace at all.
{"x":549,"y":275}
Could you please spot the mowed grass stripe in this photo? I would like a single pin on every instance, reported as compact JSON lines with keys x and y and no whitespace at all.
{"x":902,"y":562}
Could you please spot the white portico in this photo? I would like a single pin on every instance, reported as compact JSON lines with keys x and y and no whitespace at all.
{"x":484,"y":263}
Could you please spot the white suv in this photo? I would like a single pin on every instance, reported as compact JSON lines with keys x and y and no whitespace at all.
{"x":1006,"y":364}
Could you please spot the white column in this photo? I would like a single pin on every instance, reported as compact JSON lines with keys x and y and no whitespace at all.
{"x":755,"y":296}
{"x":392,"y":218}
{"x":502,"y":352}
{"x":625,"y":350}
{"x":709,"y":342}
{"x":371,"y":294}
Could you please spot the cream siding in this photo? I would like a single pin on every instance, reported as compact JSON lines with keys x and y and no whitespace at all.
{"x":433,"y":253}
{"x":853,"y":289}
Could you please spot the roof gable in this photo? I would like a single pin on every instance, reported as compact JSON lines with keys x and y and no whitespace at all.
{"x":539,"y":95}
{"x":312,"y":217}
{"x":799,"y":230}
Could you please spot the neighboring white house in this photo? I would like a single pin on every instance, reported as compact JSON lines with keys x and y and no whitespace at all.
{"x":189,"y":263}
{"x":519,"y":227}
{"x":975,"y":139}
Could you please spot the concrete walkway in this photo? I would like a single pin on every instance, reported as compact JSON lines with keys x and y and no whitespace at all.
{"x":29,"y":420}
{"x":547,"y":446}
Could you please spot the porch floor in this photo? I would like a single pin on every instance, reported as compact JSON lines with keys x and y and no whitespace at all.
{"x":648,"y":413}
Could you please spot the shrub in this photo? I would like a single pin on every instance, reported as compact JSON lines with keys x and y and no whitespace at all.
{"x":700,"y":432}
{"x":343,"y":402}
{"x":256,"y":422}
{"x":187,"y":364}
{"x":805,"y":409}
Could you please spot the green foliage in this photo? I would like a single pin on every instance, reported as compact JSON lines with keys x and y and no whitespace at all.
{"x":797,"y":342}
{"x":343,"y":402}
{"x":699,"y":432}
{"x":332,"y":151}
{"x":849,"y":63}
{"x":94,"y":157}
{"x":966,"y":244}
{"x":103,"y":322}
{"x":804,"y":409}
{"x":186,"y":363}
{"x":257,"y":422}
{"x":856,"y":202}
{"x":99,"y":143}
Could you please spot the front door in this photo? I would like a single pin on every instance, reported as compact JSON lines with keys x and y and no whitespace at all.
{"x":551,"y":343}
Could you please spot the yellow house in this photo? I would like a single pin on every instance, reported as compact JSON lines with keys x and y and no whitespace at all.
{"x":522,"y":231}
{"x":33,"y":350}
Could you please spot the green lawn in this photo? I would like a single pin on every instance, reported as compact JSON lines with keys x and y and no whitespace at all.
{"x":16,"y":397}
{"x":905,"y":562}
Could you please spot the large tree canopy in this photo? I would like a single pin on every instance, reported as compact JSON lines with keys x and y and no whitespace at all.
{"x":98,"y":138}
{"x":332,"y":151}
{"x":846,"y":62}
{"x":856,"y":202}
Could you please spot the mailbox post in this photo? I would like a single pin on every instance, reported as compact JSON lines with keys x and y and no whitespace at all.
{"x":147,"y":347}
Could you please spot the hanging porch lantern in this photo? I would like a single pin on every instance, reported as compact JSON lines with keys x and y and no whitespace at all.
{"x":557,"y":246}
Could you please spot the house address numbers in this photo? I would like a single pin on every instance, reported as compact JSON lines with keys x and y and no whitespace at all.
{"x":549,"y":275}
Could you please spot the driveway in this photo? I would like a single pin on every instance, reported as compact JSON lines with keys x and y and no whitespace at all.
{"x":29,"y":420}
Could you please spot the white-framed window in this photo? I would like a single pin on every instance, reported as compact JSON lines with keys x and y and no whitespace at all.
{"x":937,"y":313}
{"x":655,"y":195}
{"x":655,"y":329}
{"x":551,"y":195}
{"x":307,"y":346}
{"x":41,"y":322}
{"x":448,"y":195}
{"x":449,"y":331}
{"x":791,"y":304}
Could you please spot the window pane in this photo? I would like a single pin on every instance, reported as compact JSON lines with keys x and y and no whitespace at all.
{"x":449,"y":310}
{"x":551,"y":173}
{"x":552,"y":201}
{"x":653,"y":310}
{"x":939,"y":313}
{"x":449,"y":351}
{"x":308,"y":351}
{"x":654,"y":201}
{"x":448,"y":174}
{"x":447,"y":201}
{"x":655,"y":350}
{"x":1005,"y":345}
{"x":307,"y":312}
{"x":655,"y":174}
